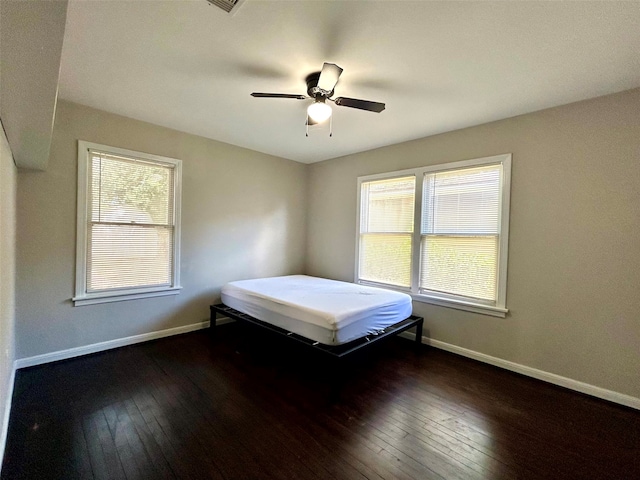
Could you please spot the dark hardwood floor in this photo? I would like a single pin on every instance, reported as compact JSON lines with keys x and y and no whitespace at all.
{"x":229,"y":408}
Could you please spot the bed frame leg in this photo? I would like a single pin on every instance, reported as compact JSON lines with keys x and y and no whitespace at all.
{"x":213,"y":317}
{"x":419,"y":334}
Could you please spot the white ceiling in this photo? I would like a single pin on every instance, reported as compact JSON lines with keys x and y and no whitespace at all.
{"x":438,"y":66}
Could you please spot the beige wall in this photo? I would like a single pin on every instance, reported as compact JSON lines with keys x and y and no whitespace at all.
{"x":8,"y":174}
{"x":574,"y":249}
{"x":243,"y":215}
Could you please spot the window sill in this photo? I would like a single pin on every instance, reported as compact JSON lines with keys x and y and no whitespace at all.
{"x":95,"y":298}
{"x":443,"y":302}
{"x":462,"y":305}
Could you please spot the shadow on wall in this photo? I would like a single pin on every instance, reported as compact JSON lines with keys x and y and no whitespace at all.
{"x":175,"y":313}
{"x":254,"y":245}
{"x":269,"y":252}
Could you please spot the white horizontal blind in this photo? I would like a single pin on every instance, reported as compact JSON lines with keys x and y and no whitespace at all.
{"x":130,"y":223}
{"x":386,"y":230}
{"x":460,"y":232}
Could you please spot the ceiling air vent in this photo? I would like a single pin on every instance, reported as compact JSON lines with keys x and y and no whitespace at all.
{"x":229,"y":6}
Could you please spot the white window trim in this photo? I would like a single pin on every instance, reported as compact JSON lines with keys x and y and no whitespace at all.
{"x":82,"y":297}
{"x":497,"y":310}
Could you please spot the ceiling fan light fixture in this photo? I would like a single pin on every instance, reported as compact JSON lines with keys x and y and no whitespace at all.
{"x":319,"y":111}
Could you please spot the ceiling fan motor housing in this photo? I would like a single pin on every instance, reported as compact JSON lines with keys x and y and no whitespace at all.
{"x":313,"y":90}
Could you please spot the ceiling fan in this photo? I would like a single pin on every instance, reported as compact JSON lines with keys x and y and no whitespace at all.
{"x":320,"y":86}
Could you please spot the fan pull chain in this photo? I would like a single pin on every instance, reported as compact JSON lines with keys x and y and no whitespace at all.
{"x":331,"y":126}
{"x":307,"y":126}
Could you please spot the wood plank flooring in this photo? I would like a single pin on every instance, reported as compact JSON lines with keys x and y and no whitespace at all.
{"x":194,"y":407}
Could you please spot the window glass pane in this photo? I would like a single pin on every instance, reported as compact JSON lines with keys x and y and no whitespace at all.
{"x":386,"y":258}
{"x":388,"y":205}
{"x":465,"y":266}
{"x":129,"y":191}
{"x":460,"y":232}
{"x":462,"y":201}
{"x":122,"y":256}
{"x":386,"y":227}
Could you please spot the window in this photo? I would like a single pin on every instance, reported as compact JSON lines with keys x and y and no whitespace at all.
{"x":439,"y":233}
{"x":128,"y":243}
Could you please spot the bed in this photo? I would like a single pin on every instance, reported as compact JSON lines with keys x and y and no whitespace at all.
{"x":334,"y":317}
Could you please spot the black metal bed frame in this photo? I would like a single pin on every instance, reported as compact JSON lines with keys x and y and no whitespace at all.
{"x":335,"y":351}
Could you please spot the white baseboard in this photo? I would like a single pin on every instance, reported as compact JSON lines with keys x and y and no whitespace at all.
{"x":119,"y":342}
{"x":7,"y":412}
{"x":616,"y":397}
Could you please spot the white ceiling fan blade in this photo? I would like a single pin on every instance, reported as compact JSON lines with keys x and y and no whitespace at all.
{"x":329,"y":77}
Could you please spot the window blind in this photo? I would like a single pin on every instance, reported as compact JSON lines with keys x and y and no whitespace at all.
{"x":460,"y":232}
{"x":130,"y":223}
{"x":386,"y":230}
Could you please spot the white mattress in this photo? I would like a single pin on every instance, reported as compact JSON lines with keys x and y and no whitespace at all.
{"x":327,"y":311}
